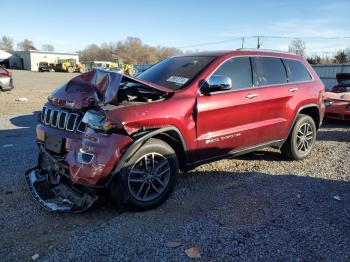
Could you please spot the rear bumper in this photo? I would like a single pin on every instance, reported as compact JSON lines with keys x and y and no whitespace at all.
{"x":6,"y":83}
{"x":57,"y":195}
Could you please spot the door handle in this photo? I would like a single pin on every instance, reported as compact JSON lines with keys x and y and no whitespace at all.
{"x":293,"y":89}
{"x":250,"y":96}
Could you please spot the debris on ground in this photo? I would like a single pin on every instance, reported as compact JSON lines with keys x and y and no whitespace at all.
{"x":193,"y":252}
{"x":172,"y":244}
{"x":7,"y":145}
{"x":336,"y":197}
{"x":35,"y":257}
{"x":22,"y":99}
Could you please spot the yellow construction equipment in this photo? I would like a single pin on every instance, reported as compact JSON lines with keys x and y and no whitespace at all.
{"x":69,"y":65}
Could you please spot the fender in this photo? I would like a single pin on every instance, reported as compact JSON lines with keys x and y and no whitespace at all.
{"x":137,"y":144}
{"x":296,"y":115}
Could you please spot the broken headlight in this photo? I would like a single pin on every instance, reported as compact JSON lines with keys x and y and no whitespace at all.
{"x":96,"y":120}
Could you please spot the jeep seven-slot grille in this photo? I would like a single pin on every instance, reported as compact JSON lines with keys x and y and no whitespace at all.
{"x":62,"y":119}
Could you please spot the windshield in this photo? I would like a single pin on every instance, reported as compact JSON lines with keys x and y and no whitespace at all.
{"x":176,"y":72}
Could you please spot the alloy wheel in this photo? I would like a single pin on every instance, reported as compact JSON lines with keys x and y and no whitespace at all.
{"x":305,"y":137}
{"x":149,"y":177}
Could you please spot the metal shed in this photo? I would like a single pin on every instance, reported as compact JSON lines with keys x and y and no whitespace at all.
{"x":29,"y":60}
{"x":327,"y":73}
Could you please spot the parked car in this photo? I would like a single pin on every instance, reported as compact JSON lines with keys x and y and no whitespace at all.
{"x":107,"y":132}
{"x":343,"y":83}
{"x":6,"y":81}
{"x":44,"y":67}
{"x":337,"y":106}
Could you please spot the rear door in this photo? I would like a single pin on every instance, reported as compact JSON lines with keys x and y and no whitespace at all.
{"x":277,"y":97}
{"x":227,"y":120}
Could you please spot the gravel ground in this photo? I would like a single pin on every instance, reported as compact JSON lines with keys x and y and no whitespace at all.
{"x":256,"y":207}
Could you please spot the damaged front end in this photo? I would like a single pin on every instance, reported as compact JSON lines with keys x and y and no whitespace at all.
{"x":52,"y":188}
{"x":79,"y":144}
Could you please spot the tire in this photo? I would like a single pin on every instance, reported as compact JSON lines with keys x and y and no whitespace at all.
{"x":140,"y":190}
{"x":70,"y":69}
{"x":301,"y":140}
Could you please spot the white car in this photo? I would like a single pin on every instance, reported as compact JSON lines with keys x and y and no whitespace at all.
{"x":6,"y":81}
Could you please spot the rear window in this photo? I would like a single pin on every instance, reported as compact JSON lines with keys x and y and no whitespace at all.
{"x":239,"y":70}
{"x":176,"y":72}
{"x":296,"y":71}
{"x":269,"y":71}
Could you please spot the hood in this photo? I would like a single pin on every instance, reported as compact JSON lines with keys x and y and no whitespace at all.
{"x":95,"y":88}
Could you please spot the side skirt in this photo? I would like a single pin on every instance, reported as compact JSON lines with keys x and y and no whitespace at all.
{"x":234,"y":153}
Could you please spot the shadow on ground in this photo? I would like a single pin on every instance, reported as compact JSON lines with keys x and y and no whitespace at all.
{"x":25,"y":126}
{"x":299,"y":216}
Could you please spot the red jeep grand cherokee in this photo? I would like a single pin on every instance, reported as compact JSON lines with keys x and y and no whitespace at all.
{"x":103,"y":131}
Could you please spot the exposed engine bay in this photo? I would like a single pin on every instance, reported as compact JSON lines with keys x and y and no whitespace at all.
{"x":130,"y":92}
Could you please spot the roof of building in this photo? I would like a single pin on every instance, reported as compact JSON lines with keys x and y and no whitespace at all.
{"x":43,"y":52}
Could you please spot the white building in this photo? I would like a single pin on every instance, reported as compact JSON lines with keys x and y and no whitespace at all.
{"x":29,"y":60}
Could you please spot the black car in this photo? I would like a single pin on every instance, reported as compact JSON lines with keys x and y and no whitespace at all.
{"x":44,"y":67}
{"x":343,"y":83}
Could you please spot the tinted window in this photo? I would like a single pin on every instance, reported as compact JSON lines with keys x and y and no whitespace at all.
{"x":296,"y":71}
{"x":176,"y":72}
{"x":270,"y":71}
{"x":239,"y":70}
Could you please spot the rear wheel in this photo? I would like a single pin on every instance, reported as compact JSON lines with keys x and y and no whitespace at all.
{"x":302,"y":139}
{"x":148,"y":178}
{"x":70,"y":69}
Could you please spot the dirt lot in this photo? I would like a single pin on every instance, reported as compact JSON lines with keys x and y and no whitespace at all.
{"x":257,"y":207}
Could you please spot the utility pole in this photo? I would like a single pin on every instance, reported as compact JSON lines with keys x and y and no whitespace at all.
{"x":242,"y":41}
{"x":259,"y":44}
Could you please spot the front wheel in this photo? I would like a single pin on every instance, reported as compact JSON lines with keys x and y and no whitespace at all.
{"x":148,"y":177}
{"x":302,"y":138}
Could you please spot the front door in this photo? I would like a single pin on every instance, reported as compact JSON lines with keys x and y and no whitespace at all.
{"x":229,"y":120}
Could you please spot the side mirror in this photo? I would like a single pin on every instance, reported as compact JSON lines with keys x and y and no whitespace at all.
{"x":217,"y":83}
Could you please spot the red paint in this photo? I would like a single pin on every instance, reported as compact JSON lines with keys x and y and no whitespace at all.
{"x":209,"y":125}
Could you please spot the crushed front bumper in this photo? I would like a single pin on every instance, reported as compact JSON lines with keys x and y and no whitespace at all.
{"x":56,"y":194}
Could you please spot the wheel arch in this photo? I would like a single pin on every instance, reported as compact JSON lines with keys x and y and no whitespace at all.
{"x":314,"y":112}
{"x":169,"y":134}
{"x":311,"y":110}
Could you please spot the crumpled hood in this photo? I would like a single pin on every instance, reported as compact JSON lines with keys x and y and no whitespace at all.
{"x":94,"y":88}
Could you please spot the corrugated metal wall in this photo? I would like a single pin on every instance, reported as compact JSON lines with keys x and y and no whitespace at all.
{"x":327,"y":73}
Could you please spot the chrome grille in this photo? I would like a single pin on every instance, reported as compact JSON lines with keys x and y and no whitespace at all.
{"x":62,"y":119}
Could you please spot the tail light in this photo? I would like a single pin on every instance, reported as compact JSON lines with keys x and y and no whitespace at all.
{"x":4,"y":72}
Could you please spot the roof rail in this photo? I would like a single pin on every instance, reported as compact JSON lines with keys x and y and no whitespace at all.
{"x":263,"y":50}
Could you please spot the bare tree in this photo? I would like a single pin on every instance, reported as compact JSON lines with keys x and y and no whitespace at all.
{"x":48,"y":47}
{"x":26,"y":45}
{"x":297,"y":47}
{"x":347,"y":52}
{"x":131,"y":51}
{"x":6,"y":43}
{"x":340,"y":58}
{"x":314,"y":59}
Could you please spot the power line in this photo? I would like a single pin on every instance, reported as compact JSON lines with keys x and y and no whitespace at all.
{"x":211,"y":43}
{"x":243,"y":38}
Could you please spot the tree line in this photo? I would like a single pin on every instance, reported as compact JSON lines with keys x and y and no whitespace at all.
{"x":133,"y":51}
{"x":298,"y":47}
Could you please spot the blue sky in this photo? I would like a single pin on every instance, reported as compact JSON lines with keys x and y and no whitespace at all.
{"x":72,"y":25}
